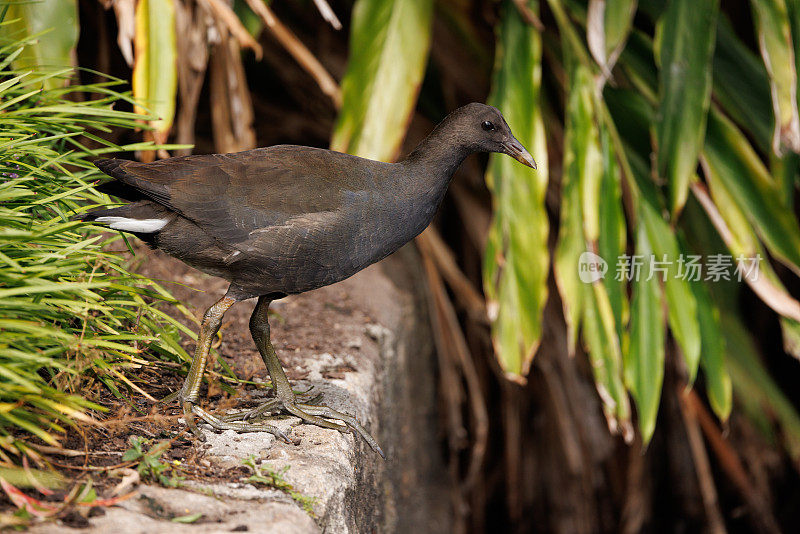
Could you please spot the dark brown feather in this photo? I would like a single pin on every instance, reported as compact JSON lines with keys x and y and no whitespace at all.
{"x":287,"y":219}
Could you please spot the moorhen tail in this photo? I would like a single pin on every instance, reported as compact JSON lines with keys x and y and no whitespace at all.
{"x":287,"y":219}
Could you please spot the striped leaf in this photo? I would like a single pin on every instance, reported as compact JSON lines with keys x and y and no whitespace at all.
{"x":607,"y":27}
{"x":569,"y":248}
{"x":389,"y":43}
{"x":605,"y":355}
{"x":516,"y":262}
{"x":54,"y":25}
{"x":684,"y":45}
{"x":155,"y":73}
{"x":644,"y":357}
{"x":775,"y":41}
{"x":611,"y":244}
{"x":581,"y":178}
{"x":731,"y":158}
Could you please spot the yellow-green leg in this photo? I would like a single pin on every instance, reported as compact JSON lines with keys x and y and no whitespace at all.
{"x":285,"y":399}
{"x":189,"y":393}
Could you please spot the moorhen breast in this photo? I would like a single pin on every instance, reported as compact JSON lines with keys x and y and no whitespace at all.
{"x":287,"y":219}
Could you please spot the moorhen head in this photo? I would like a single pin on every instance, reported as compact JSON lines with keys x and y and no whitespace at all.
{"x":287,"y":219}
{"x":475,"y":128}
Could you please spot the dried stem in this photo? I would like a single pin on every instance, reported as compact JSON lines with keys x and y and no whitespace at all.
{"x":730,"y":463}
{"x":528,"y":15}
{"x":702,"y":467}
{"x":225,"y":14}
{"x":299,"y":52}
{"x":434,"y":247}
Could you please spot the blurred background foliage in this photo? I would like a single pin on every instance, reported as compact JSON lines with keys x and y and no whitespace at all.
{"x":662,"y":128}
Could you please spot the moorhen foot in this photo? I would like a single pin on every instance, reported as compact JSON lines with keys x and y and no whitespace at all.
{"x":284,"y":220}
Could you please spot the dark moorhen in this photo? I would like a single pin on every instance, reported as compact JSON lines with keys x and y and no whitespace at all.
{"x":288,"y":219}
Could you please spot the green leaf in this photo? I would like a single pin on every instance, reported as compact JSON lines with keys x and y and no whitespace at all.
{"x":775,"y":41}
{"x":617,"y":21}
{"x":741,"y":85}
{"x":681,"y":304}
{"x":712,"y":357}
{"x":607,"y":28}
{"x":731,"y":158}
{"x":191,"y":518}
{"x":252,"y":22}
{"x":611,"y":244}
{"x":685,"y":38}
{"x":131,"y":455}
{"x":784,"y":170}
{"x":794,"y":22}
{"x":742,"y":241}
{"x":155,"y":71}
{"x":21,"y":478}
{"x":644,"y":359}
{"x":791,"y":336}
{"x":605,"y":355}
{"x":581,"y":177}
{"x":753,"y":385}
{"x":516,"y":260}
{"x":54,"y":24}
{"x":389,"y":44}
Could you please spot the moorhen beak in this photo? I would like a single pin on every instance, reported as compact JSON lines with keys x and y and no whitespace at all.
{"x":515,"y":149}
{"x":288,"y":219}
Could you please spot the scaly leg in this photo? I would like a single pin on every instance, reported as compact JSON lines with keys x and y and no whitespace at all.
{"x":189,"y":393}
{"x":285,"y":398}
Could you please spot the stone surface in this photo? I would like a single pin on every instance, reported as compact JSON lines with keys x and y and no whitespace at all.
{"x":365,"y":344}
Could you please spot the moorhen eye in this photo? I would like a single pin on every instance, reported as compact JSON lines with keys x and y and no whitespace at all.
{"x":488,"y":126}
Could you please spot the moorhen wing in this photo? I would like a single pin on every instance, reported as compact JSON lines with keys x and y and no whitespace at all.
{"x":287,"y":219}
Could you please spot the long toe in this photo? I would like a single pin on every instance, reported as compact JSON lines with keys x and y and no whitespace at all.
{"x":267,"y":408}
{"x":271,"y":408}
{"x":238,"y":426}
{"x":310,"y":412}
{"x":171,"y":397}
{"x":314,"y":413}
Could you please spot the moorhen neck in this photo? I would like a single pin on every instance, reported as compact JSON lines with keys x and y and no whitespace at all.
{"x":287,"y":219}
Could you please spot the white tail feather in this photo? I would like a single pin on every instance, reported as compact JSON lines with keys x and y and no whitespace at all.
{"x":142,"y":226}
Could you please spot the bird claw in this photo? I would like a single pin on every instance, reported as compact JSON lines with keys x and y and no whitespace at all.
{"x":238,"y":426}
{"x":313,"y":414}
{"x":262,"y":411}
{"x":309,"y":411}
{"x":190,"y":410}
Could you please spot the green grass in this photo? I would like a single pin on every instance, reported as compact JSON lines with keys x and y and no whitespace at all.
{"x":151,"y":467}
{"x":72,"y":317}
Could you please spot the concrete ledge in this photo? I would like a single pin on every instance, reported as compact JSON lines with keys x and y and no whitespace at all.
{"x":365,"y":344}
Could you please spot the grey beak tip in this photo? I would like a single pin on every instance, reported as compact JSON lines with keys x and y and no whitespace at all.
{"x":518,"y":152}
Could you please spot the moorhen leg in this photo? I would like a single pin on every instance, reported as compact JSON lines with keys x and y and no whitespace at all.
{"x":189,"y":393}
{"x":286,"y":400}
